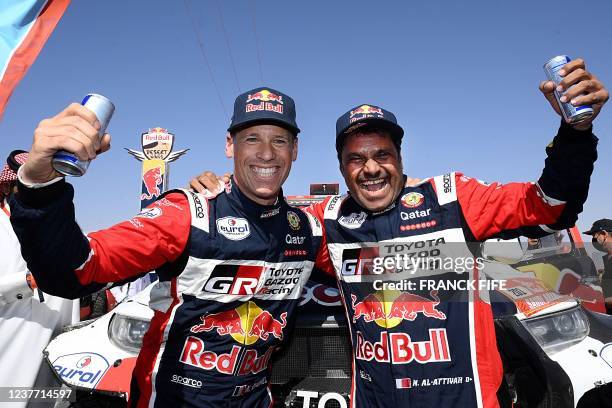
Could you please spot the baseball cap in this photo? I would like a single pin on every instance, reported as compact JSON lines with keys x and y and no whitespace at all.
{"x":264,"y":105}
{"x":604,"y":224}
{"x":14,"y":160}
{"x":367,"y":115}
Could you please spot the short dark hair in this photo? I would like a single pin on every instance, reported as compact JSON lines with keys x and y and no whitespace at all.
{"x":368,"y":129}
{"x":235,"y":131}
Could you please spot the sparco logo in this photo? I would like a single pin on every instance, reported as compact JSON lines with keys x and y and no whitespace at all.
{"x":446,"y":181}
{"x":190,"y":382}
{"x":233,"y":228}
{"x":199,"y":209}
{"x":353,"y":221}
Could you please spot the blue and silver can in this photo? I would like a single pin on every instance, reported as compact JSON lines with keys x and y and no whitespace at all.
{"x":572,"y":114}
{"x":67,"y":163}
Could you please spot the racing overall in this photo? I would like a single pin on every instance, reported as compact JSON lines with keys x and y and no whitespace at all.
{"x":418,"y":310}
{"x":231,"y":273}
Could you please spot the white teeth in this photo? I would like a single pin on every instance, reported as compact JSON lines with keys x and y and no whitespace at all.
{"x":264,"y":171}
{"x":371,"y":182}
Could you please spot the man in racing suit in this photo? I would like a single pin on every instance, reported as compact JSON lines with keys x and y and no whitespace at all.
{"x":423,"y":333}
{"x":419,"y":315}
{"x":231,"y":269}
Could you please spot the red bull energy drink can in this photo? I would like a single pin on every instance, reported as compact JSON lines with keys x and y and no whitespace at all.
{"x":572,"y":114}
{"x":67,"y":163}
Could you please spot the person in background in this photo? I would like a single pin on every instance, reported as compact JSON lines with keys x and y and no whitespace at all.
{"x":28,"y":318}
{"x":601,"y":231}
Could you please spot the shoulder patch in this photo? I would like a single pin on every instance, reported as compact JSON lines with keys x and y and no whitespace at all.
{"x":446,"y":188}
{"x":198,"y":204}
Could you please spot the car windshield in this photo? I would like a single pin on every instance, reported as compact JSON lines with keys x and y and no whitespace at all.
{"x":553,"y":244}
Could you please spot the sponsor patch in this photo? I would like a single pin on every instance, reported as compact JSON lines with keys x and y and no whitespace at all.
{"x":412,"y":215}
{"x":294,"y":220}
{"x":412,"y":200}
{"x":353,"y":221}
{"x":233,"y":228}
{"x":150,"y":213}
{"x":81,"y":369}
{"x":426,"y":224}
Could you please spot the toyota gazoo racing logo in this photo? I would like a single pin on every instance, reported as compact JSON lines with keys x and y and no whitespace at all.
{"x":412,"y":200}
{"x":233,"y":228}
{"x":353,"y":221}
{"x":246,"y":324}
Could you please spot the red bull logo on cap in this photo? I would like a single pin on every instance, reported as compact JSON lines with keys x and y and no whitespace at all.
{"x":269,"y":102}
{"x":365,"y":111}
{"x":388,"y":308}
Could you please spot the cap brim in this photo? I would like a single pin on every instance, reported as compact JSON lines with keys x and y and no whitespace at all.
{"x":590,"y":232}
{"x":394,"y":129}
{"x":253,"y":122}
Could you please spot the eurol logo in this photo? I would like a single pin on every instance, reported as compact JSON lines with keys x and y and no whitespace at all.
{"x":233,"y":228}
{"x":81,"y":369}
{"x":353,"y":221}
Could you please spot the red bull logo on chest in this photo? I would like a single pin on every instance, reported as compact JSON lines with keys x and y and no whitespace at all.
{"x":246,"y":324}
{"x":389,"y":308}
{"x":400,"y":348}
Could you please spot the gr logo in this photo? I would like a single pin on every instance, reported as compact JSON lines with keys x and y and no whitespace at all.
{"x":234,"y":279}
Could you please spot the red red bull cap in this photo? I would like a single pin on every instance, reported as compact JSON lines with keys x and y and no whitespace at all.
{"x":264,"y":106}
{"x":367,"y":115}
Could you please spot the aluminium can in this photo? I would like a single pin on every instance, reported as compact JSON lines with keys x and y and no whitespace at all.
{"x":67,"y":163}
{"x":572,"y":114}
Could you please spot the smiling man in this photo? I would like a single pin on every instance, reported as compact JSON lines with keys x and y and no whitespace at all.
{"x":398,"y":250}
{"x":231,"y":268}
{"x":417,"y":342}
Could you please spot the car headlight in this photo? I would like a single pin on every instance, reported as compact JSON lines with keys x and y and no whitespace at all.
{"x":127,"y":332}
{"x":560,"y":330}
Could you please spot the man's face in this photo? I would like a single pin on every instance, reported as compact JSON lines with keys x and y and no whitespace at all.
{"x":603,"y":238}
{"x":262,"y":159}
{"x":372,"y":169}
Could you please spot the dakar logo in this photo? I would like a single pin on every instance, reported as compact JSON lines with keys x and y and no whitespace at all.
{"x":157,"y":143}
{"x":412,"y":200}
{"x":294,"y":220}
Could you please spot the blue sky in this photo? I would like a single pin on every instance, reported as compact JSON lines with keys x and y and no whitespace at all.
{"x":462,"y":78}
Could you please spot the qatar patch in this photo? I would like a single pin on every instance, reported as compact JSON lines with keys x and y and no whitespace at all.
{"x":412,"y":200}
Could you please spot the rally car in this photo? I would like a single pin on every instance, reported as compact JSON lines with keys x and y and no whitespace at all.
{"x":555,"y":345}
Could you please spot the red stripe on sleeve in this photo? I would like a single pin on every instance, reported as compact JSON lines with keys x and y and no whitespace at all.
{"x":492,"y":208}
{"x":157,"y":235}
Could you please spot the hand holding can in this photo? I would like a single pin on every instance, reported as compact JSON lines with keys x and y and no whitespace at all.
{"x":68,"y":163}
{"x":76,"y":129}
{"x":573,"y":92}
